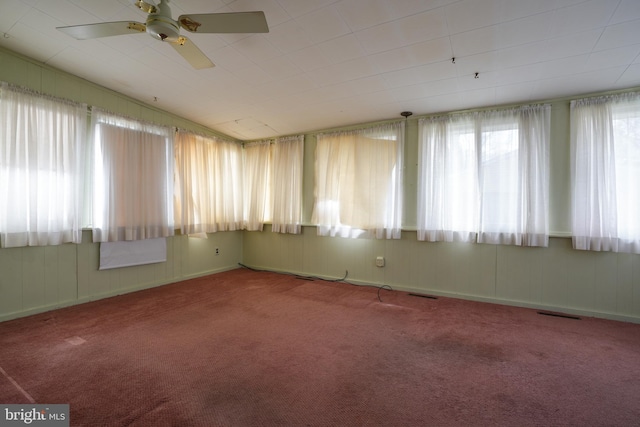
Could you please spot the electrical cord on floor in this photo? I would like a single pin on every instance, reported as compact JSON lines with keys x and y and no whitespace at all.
{"x":299,"y":276}
{"x":382,"y":287}
{"x":342,"y":280}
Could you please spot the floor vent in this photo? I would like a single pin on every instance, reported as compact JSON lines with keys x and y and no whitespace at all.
{"x":423,"y":296}
{"x":566,"y":316}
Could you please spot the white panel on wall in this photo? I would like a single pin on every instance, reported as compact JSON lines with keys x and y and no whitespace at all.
{"x":129,"y":253}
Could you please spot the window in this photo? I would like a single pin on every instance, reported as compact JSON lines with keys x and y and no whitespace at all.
{"x":605,"y":171}
{"x":209,"y":184}
{"x":257,"y":184}
{"x":273,"y":184}
{"x":499,"y":178}
{"x":288,"y":160}
{"x":358,"y":182}
{"x":484,"y":177}
{"x":41,"y":168}
{"x":132,"y":179}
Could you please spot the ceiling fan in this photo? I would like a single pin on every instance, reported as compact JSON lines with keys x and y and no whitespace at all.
{"x":160,"y":25}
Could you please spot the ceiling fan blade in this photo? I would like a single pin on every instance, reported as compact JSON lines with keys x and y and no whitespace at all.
{"x":237,"y":22}
{"x":103,"y":29}
{"x":191,"y":53}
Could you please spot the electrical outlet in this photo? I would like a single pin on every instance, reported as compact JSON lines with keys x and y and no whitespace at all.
{"x":217,"y":251}
{"x":380,"y":261}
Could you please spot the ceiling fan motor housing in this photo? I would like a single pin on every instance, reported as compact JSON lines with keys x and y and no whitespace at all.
{"x":165,"y":29}
{"x":160,"y":24}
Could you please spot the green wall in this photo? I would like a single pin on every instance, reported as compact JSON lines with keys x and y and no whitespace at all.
{"x":36,"y":279}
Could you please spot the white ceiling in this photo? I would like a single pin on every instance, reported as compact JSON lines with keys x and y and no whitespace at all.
{"x":328,"y":63}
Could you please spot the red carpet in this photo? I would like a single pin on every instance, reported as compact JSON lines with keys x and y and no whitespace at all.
{"x":245,"y":348}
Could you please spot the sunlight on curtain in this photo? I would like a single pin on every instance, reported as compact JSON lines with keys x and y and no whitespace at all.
{"x":257,"y":181}
{"x":41,"y":168}
{"x":449,"y":193}
{"x":358,"y":185}
{"x":209,"y":184}
{"x":514,"y":176}
{"x":132,"y":179}
{"x":273,"y":184}
{"x":605,"y":171}
{"x":287,"y":170}
{"x":485,"y":177}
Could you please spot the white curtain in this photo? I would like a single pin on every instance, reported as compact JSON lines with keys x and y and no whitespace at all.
{"x":273,"y":184}
{"x":257,"y":181}
{"x":485,"y":177}
{"x":132,"y":179}
{"x":209,"y":184}
{"x":605,"y":172}
{"x":514,"y":176}
{"x":42,"y":143}
{"x":358,"y":182}
{"x":287,"y":170}
{"x":449,"y":193}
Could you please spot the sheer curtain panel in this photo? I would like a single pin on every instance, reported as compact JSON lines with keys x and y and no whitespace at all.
{"x":42,"y":143}
{"x":209,"y":184}
{"x":448,"y":187}
{"x":514,"y":176}
{"x":287,"y":169}
{"x":132,"y":179}
{"x":257,"y":184}
{"x":273,"y":184}
{"x":358,"y":182}
{"x":485,"y":177}
{"x":605,"y":171}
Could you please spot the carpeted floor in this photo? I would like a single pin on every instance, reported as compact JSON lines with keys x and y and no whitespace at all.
{"x":246,"y":348}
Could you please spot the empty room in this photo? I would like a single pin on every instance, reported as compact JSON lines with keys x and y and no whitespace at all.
{"x":320,"y":212}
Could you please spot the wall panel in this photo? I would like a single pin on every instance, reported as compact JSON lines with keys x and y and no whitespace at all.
{"x":11,"y":280}
{"x":34,"y":292}
{"x":624,"y":295}
{"x":519,"y":273}
{"x":581,"y":288}
{"x":556,"y":278}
